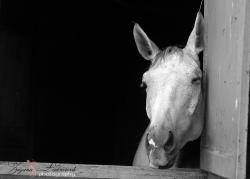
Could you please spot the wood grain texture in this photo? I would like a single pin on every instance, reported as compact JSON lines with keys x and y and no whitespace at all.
{"x":21,"y":170}
{"x":226,"y":60}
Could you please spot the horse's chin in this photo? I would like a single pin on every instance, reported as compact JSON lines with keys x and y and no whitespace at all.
{"x":169,"y":164}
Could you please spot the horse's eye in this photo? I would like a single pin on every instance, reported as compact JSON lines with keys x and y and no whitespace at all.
{"x":143,"y":85}
{"x":196,"y":80}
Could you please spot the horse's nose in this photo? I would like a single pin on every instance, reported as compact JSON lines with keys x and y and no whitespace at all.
{"x":169,"y":145}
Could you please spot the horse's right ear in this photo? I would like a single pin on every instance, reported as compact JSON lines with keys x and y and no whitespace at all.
{"x":145,"y":46}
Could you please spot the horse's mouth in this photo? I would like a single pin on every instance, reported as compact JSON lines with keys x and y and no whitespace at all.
{"x":159,"y":158}
{"x":170,"y":163}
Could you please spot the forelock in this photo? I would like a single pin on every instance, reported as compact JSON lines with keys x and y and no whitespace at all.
{"x":163,"y":55}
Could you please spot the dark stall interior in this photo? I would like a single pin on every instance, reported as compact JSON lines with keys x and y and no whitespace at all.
{"x":70,"y":76}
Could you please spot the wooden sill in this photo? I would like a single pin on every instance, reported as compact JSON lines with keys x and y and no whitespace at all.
{"x":21,"y":170}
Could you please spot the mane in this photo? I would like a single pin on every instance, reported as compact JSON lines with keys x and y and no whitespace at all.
{"x":163,"y":54}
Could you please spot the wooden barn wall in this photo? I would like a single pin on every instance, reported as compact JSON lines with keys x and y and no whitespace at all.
{"x":226,"y":64}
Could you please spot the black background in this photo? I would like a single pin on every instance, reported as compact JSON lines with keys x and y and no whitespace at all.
{"x":81,"y":87}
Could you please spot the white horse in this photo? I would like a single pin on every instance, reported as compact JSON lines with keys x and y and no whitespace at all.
{"x":174,"y":100}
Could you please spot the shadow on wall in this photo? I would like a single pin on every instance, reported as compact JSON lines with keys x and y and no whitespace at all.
{"x":15,"y":120}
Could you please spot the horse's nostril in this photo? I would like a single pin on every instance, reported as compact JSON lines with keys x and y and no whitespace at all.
{"x":170,"y":141}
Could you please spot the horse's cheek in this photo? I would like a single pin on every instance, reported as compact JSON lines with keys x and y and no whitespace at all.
{"x":149,"y":105}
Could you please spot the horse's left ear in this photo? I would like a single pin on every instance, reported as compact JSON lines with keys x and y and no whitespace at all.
{"x":195,"y":42}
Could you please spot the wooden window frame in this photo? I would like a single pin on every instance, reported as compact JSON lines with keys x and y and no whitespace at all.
{"x":18,"y":170}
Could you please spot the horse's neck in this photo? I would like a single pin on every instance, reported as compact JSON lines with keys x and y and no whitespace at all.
{"x":190,"y":155}
{"x":141,"y":158}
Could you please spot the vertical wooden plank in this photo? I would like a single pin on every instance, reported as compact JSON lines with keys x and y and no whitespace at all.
{"x":223,"y":148}
{"x":241,"y":167}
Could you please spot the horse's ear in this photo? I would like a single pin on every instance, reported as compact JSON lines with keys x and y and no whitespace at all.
{"x":195,"y":42}
{"x":145,"y":46}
